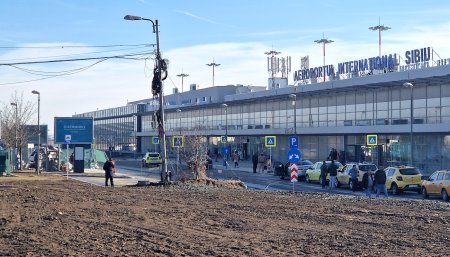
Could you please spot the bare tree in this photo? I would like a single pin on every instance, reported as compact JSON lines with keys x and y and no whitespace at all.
{"x":195,"y":154}
{"x":13,"y":120}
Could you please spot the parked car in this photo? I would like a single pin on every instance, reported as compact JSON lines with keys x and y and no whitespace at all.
{"x":151,"y":159}
{"x":437,"y":184}
{"x":313,"y":173}
{"x":302,"y":166}
{"x":401,"y":178}
{"x":343,"y":178}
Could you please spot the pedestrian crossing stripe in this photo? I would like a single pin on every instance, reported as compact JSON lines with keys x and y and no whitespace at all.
{"x":372,"y":140}
{"x":270,"y":141}
{"x":178,"y":141}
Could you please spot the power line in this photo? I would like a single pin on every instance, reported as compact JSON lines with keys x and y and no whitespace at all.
{"x":69,"y":46}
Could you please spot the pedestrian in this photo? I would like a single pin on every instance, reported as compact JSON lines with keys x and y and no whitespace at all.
{"x":368,"y":183}
{"x":36,"y":161}
{"x":109,"y":167}
{"x":380,"y":181}
{"x":323,"y":174}
{"x":354,"y":173}
{"x":262,"y":162}
{"x":332,"y":170}
{"x":236,"y":159}
{"x":255,"y":162}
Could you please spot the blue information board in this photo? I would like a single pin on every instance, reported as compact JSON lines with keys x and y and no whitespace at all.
{"x":80,"y":130}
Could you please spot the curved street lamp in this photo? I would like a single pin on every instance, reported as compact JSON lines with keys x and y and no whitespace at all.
{"x":39,"y":132}
{"x":407,"y":84}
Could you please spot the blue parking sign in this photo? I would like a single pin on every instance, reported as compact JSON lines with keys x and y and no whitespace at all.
{"x":293,"y":142}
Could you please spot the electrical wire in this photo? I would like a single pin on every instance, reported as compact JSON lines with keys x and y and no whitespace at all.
{"x":70,"y":46}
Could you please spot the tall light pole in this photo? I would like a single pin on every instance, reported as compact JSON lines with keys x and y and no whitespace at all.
{"x":39,"y":132}
{"x":226,"y":125}
{"x":182,"y":75}
{"x":213,"y":65}
{"x":323,"y":41}
{"x":160,"y":91}
{"x":178,"y":148}
{"x":294,"y":104}
{"x":380,"y":28}
{"x":15,"y":140}
{"x":411,"y":86}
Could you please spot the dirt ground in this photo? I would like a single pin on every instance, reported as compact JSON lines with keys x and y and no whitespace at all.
{"x":51,"y":216}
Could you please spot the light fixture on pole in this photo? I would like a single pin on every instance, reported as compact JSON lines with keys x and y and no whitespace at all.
{"x":158,"y":89}
{"x":380,"y":28}
{"x":182,"y":75}
{"x":15,"y":138}
{"x":411,"y":86}
{"x":213,"y":65}
{"x":323,"y":41}
{"x":294,"y":104}
{"x":38,"y":170}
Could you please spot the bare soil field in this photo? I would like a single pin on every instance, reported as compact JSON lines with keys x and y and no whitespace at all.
{"x":52,"y":216}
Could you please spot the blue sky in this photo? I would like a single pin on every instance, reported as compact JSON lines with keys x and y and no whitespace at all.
{"x":235,"y":33}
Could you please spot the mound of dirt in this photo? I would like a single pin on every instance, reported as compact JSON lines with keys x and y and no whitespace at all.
{"x":230,"y":184}
{"x":59,"y":217}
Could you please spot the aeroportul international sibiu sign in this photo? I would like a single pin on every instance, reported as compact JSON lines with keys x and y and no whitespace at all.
{"x":389,"y":61}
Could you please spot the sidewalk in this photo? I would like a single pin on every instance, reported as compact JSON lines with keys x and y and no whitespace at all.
{"x":246,"y":166}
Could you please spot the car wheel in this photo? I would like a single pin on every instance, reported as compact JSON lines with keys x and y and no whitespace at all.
{"x":394,"y":189}
{"x":424,"y":193}
{"x":307,"y":179}
{"x":444,"y":195}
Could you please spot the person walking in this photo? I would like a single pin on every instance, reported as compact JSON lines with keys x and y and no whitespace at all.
{"x":262,"y":162}
{"x":354,"y":173}
{"x":255,"y":162}
{"x":368,"y":183}
{"x":380,"y":181}
{"x":108,"y":167}
{"x":332,"y":169}
{"x":323,"y":174}
{"x":236,"y":159}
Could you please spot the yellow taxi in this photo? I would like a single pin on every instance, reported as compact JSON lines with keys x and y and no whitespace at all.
{"x":343,"y":176}
{"x":438,"y":184}
{"x":401,"y":178}
{"x":151,"y":158}
{"x":313,"y":173}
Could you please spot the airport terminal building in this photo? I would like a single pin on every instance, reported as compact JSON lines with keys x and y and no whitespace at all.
{"x":397,"y":98}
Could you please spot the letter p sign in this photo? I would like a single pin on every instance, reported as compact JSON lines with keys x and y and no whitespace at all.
{"x":293,"y":142}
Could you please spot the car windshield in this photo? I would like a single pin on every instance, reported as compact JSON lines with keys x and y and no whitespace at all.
{"x":306,"y":162}
{"x":367,"y":167}
{"x":409,"y":171}
{"x":153,"y":154}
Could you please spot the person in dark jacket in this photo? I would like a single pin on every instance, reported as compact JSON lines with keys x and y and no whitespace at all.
{"x":323,"y":174}
{"x":380,"y":181}
{"x":108,"y":168}
{"x":332,"y":169}
{"x":354,"y":173}
{"x":255,"y":162}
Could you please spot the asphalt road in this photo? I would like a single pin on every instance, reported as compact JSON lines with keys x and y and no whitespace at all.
{"x":257,"y":181}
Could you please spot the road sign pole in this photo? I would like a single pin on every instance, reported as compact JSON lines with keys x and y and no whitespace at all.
{"x":67,"y":160}
{"x":293,"y":189}
{"x":270,"y":160}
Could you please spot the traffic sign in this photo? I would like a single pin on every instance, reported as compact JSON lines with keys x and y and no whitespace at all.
{"x":178,"y":141}
{"x":294,"y":155}
{"x":372,"y":140}
{"x":270,"y":141}
{"x":225,"y":151}
{"x":294,"y":172}
{"x":293,"y":142}
{"x":155,"y":140}
{"x":67,"y":138}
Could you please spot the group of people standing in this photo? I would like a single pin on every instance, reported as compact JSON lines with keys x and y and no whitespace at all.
{"x":263,"y":161}
{"x":370,"y":181}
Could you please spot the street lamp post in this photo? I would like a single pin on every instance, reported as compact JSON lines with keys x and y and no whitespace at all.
{"x":294,"y":104}
{"x":226,"y":127}
{"x":380,"y":28}
{"x":178,"y":148}
{"x":15,"y":138}
{"x":39,"y":132}
{"x":213,"y":65}
{"x":182,"y":75}
{"x":164,"y":174}
{"x":411,"y":86}
{"x":323,"y":41}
